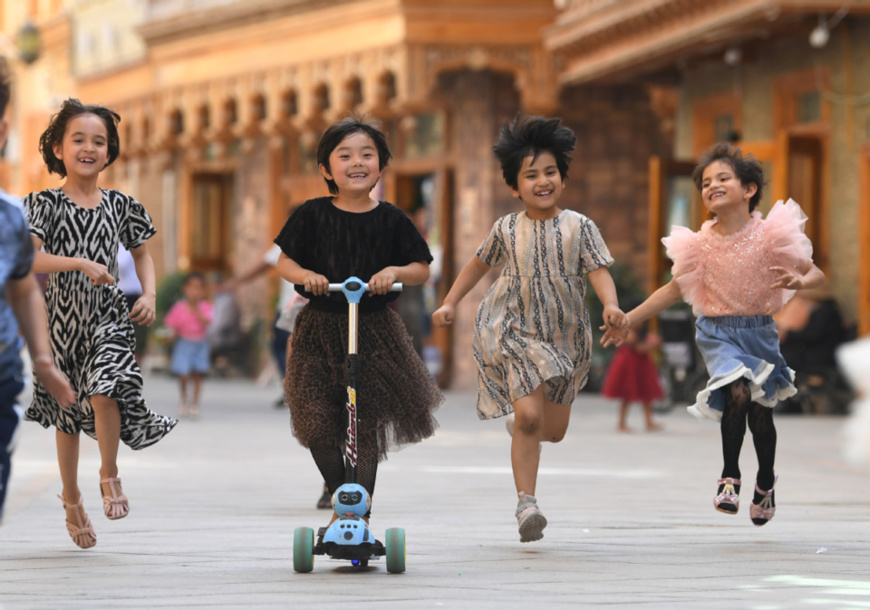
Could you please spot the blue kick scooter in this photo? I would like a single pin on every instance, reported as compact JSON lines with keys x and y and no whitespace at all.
{"x":349,"y":537}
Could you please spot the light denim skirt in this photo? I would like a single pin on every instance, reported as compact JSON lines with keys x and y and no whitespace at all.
{"x":190,"y":357}
{"x":735,"y":347}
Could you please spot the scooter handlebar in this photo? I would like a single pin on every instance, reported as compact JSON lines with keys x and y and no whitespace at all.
{"x":397,"y":287}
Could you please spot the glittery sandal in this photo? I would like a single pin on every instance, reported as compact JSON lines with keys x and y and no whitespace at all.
{"x":728,"y":500}
{"x":82,"y":533}
{"x":763,"y":512}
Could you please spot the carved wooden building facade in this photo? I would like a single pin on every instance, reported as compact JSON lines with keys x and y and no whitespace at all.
{"x":789,"y":80}
{"x":223,"y":103}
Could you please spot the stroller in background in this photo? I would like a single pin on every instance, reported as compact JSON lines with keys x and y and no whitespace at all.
{"x":682,"y":373}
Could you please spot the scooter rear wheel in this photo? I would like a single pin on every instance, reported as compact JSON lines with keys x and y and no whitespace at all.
{"x":303,"y":549}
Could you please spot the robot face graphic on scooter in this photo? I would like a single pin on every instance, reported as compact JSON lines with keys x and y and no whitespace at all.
{"x":351,"y":499}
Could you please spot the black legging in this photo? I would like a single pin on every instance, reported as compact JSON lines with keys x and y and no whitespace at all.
{"x":738,"y":409}
{"x":330,"y":461}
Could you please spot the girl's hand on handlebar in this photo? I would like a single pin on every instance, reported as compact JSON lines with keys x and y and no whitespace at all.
{"x":315,"y":283}
{"x":382,"y":281}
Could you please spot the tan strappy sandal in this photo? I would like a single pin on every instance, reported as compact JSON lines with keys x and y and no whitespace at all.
{"x":115,"y":505}
{"x":82,"y":533}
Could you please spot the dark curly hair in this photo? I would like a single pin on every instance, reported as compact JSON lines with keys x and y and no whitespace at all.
{"x":337,"y":132}
{"x":746,"y":168}
{"x":70,"y":109}
{"x":531,"y":135}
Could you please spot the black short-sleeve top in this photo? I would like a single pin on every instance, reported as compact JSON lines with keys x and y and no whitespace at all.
{"x":338,"y":244}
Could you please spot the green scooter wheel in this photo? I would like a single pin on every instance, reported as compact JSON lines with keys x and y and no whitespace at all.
{"x":303,"y":549}
{"x":396,"y":551}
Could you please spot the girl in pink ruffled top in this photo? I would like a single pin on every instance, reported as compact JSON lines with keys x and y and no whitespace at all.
{"x":736,"y":272}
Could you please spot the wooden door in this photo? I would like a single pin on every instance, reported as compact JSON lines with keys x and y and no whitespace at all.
{"x":864,"y":246}
{"x":427,"y":197}
{"x":673,"y":200}
{"x":210,"y":222}
{"x":800,"y":161}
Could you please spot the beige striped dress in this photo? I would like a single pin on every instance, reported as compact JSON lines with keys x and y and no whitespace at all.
{"x":532,"y":327}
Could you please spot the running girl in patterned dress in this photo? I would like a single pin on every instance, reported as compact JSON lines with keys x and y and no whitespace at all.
{"x":329,"y":239}
{"x":736,"y":272}
{"x":532,"y":335}
{"x":78,"y":228}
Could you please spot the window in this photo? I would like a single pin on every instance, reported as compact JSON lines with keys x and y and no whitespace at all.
{"x":724,"y":128}
{"x":809,"y":107}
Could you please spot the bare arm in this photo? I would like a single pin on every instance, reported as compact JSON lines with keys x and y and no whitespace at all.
{"x":27,"y":305}
{"x":471,"y":274}
{"x":261,"y":268}
{"x":605,"y":290}
{"x":412,"y":275}
{"x":52,"y":263}
{"x":144,"y":310}
{"x":294,"y":273}
{"x":808,"y":276}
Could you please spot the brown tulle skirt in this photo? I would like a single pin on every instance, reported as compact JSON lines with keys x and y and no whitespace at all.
{"x":396,"y":395}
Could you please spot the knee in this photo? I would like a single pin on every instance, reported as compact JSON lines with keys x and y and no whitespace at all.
{"x":527,"y":423}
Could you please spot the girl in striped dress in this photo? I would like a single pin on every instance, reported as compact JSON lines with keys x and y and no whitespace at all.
{"x":532,"y":334}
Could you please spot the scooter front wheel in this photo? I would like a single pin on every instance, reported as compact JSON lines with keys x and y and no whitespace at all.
{"x":303,"y":549}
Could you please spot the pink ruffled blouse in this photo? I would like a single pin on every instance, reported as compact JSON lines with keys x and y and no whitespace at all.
{"x":729,"y":275}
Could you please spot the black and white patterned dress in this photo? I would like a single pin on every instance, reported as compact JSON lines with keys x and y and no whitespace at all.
{"x":91,"y":334}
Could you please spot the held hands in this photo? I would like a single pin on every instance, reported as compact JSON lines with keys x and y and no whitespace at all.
{"x":54,"y":381}
{"x":443,"y":316}
{"x":616,"y":326}
{"x":98,"y":274}
{"x":144,"y":310}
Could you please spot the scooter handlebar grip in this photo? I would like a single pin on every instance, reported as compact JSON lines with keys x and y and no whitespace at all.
{"x":397,"y":287}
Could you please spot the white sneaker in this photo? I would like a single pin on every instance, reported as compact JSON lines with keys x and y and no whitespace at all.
{"x":530,"y":519}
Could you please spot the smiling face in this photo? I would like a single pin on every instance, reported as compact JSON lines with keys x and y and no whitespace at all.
{"x":539,"y":186}
{"x":353,"y":164}
{"x":721,"y":190}
{"x":84,"y":149}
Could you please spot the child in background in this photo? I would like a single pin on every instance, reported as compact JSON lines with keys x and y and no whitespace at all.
{"x":189,"y":319}
{"x":736,"y":272}
{"x":633,"y":377}
{"x":76,"y":230}
{"x":330,"y":239}
{"x":532,"y":335}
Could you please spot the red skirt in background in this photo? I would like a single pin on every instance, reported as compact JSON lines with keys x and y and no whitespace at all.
{"x":632,"y":376}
